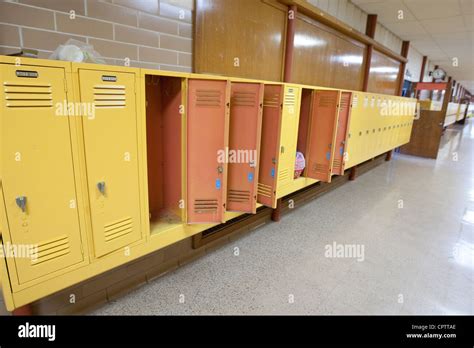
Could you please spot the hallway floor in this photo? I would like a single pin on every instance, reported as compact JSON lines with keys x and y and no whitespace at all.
{"x":412,"y":218}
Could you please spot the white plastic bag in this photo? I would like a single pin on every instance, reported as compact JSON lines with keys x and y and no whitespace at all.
{"x":77,"y":51}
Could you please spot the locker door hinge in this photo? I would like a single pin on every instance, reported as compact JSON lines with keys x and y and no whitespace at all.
{"x":82,"y":250}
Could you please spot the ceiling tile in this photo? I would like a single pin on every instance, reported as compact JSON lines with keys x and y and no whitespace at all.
{"x":467,"y":6}
{"x":444,"y":25}
{"x":407,"y":29}
{"x":387,"y":11}
{"x":426,"y":9}
{"x":469,"y":22}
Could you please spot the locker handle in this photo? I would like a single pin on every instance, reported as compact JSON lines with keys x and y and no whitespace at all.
{"x":220,"y":169}
{"x":21,"y":203}
{"x":274,"y":161}
{"x":282,"y":149}
{"x":101,"y":187}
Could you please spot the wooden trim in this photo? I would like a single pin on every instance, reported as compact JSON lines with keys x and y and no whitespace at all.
{"x":368,"y":60}
{"x":403,"y":65}
{"x":431,"y":86}
{"x":290,"y":43}
{"x":370,"y":27}
{"x":325,"y":18}
{"x":422,"y":74}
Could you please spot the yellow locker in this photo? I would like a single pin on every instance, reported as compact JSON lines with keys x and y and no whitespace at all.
{"x":288,"y":135}
{"x":111,"y":152}
{"x":37,"y":172}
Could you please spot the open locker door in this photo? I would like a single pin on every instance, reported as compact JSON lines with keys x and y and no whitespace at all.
{"x":323,"y":127}
{"x":342,"y":133}
{"x":244,"y":144}
{"x":207,"y":139}
{"x":270,"y":145}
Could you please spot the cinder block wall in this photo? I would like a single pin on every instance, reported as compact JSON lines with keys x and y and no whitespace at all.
{"x":150,"y":33}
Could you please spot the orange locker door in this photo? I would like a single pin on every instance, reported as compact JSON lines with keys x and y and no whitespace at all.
{"x":244,"y":144}
{"x":111,"y":150}
{"x":270,"y":145}
{"x":342,"y":133}
{"x":323,"y":127}
{"x":207,"y":135}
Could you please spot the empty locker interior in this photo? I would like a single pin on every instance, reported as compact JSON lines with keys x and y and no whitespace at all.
{"x":164,"y":124}
{"x":304,"y":123}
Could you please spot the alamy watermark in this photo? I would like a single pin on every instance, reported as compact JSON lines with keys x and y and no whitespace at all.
{"x":76,"y":109}
{"x":28,"y":251}
{"x":397,"y":108}
{"x":335,"y":250}
{"x":237,"y":156}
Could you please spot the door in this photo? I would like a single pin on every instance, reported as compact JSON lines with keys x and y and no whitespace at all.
{"x":342,"y":133}
{"x":111,"y":149}
{"x":270,"y":145}
{"x":207,"y":141}
{"x":320,"y":153}
{"x":37,"y":171}
{"x":246,"y":106}
{"x":288,"y":136}
{"x":425,"y":135}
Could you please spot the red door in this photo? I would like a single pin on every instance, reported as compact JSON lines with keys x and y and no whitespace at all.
{"x":320,"y":152}
{"x":244,"y":144}
{"x":207,"y":139}
{"x":342,"y":133}
{"x":270,"y":145}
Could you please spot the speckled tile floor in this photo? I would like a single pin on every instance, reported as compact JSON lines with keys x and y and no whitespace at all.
{"x":414,"y":218}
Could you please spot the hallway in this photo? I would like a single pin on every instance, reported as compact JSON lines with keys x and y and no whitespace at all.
{"x":412,"y":218}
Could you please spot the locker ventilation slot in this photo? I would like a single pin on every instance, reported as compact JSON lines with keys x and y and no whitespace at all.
{"x":205,"y":206}
{"x":238,"y":196}
{"x":290,"y":99}
{"x":28,"y":95}
{"x":50,"y":250}
{"x":327,"y":101}
{"x":284,"y":175}
{"x":336,"y":164}
{"x":208,"y":98}
{"x":320,"y":168}
{"x":243,"y":99}
{"x":264,"y":190}
{"x":344,"y":103}
{"x":109,"y":96}
{"x":272,"y":101}
{"x":118,"y":229}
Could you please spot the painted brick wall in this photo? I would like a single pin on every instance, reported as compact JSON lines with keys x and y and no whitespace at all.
{"x":150,"y":33}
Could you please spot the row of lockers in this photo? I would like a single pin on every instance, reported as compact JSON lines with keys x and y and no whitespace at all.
{"x":159,"y":149}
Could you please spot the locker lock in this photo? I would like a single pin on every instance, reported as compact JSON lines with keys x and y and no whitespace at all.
{"x":274,"y":161}
{"x":220,"y":169}
{"x":101,"y":187}
{"x":21,"y":203}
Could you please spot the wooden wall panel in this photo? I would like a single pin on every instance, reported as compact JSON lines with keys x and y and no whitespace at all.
{"x":251,"y":30}
{"x":324,"y":57}
{"x":384,"y":74}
